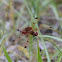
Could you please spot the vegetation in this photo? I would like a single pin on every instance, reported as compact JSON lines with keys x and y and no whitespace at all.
{"x":19,"y":14}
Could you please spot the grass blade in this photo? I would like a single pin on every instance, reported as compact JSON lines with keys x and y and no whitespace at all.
{"x":46,"y":51}
{"x":48,"y":58}
{"x":59,"y":58}
{"x":56,"y":46}
{"x":42,"y":52}
{"x":48,"y":36}
{"x":6,"y":54}
{"x":39,"y":59}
